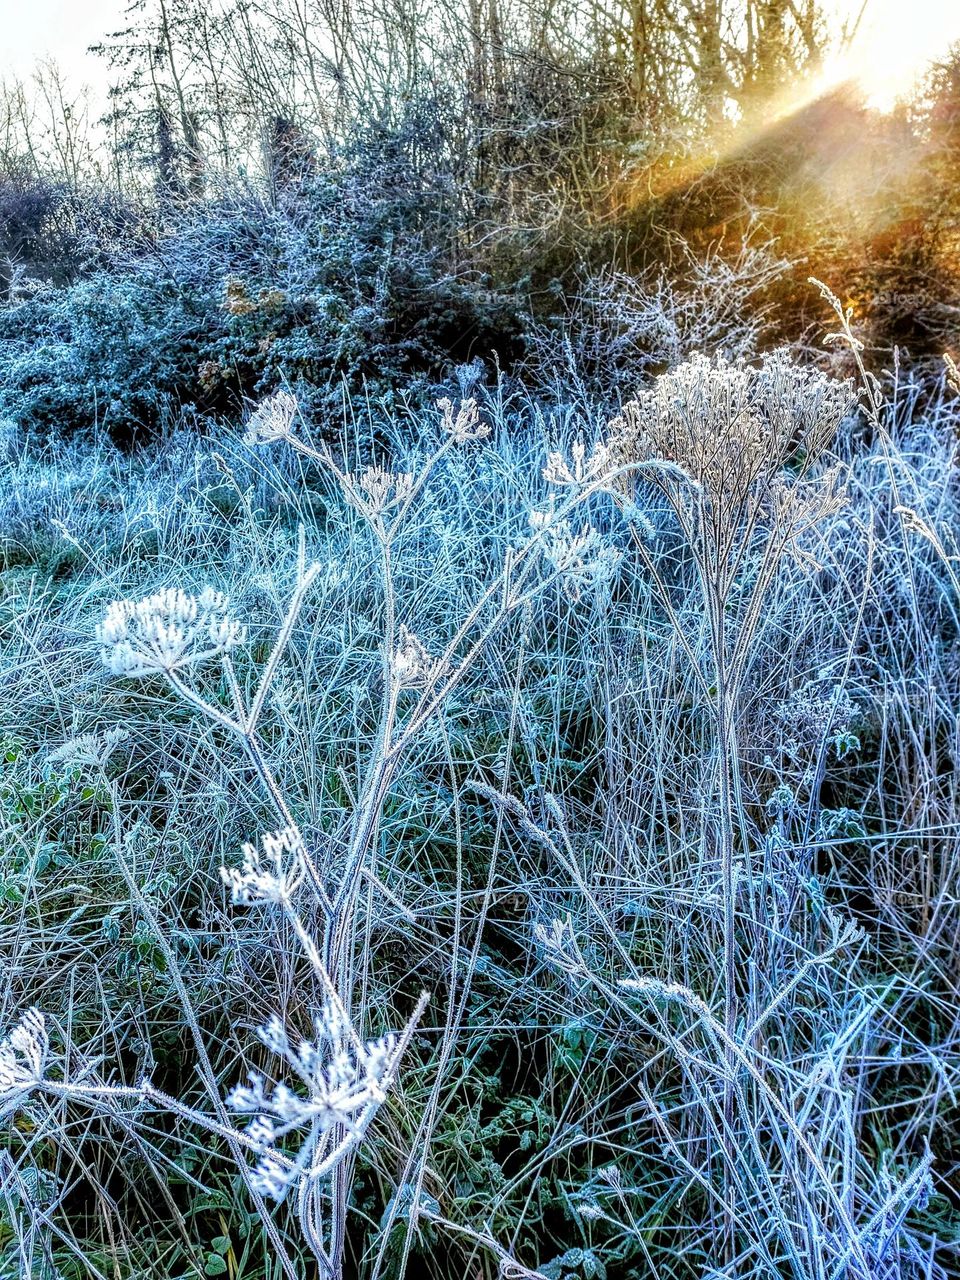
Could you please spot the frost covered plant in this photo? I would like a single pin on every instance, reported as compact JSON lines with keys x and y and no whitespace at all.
{"x":341,"y":1076}
{"x":89,"y":748}
{"x":731,"y":428}
{"x":271,"y":874}
{"x":377,"y":491}
{"x":342,"y":1082}
{"x":167,"y":632}
{"x":582,"y":469}
{"x":582,"y":560}
{"x":411,"y":664}
{"x":23,"y":1060}
{"x":820,"y":710}
{"x":733,"y":449}
{"x":463,"y":424}
{"x":272,"y":419}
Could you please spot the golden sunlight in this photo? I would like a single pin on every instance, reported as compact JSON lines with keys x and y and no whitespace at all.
{"x":890,"y":45}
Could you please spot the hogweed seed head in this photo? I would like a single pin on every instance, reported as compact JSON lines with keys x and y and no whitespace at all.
{"x":272,"y":419}
{"x":23,"y":1059}
{"x":89,"y":748}
{"x":341,"y":1088}
{"x":166,"y":632}
{"x":465,"y":424}
{"x":411,"y":664}
{"x":377,"y":491}
{"x":583,"y":469}
{"x":270,"y":874}
{"x":583,"y":560}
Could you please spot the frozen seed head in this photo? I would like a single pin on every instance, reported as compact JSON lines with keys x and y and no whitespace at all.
{"x":730,"y":427}
{"x":558,"y":944}
{"x":463,"y":424}
{"x":89,"y":748}
{"x":582,"y":469}
{"x":23,"y":1059}
{"x":411,"y":664}
{"x":167,"y":632}
{"x":666,"y":993}
{"x":583,"y":560}
{"x":272,"y":419}
{"x":377,"y":491}
{"x":339,"y":1087}
{"x":270,"y":874}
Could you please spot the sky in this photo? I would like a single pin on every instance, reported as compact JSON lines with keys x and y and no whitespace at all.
{"x":62,"y":29}
{"x":896,"y":38}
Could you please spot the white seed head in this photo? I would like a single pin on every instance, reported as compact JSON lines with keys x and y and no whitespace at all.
{"x":411,"y":664}
{"x":23,"y":1059}
{"x":272,"y":419}
{"x":582,"y":559}
{"x":269,"y":874}
{"x":166,"y":632}
{"x":89,"y":748}
{"x":341,"y":1087}
{"x":583,"y":469}
{"x":273,"y":1176}
{"x":376,"y":491}
{"x":464,"y":424}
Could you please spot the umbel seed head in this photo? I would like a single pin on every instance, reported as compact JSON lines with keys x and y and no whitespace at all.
{"x":166,"y":632}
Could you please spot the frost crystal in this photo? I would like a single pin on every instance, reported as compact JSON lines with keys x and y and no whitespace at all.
{"x":23,"y":1058}
{"x":270,"y":874}
{"x":166,"y":632}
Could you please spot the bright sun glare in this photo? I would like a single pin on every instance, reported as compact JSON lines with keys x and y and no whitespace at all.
{"x":894,"y":43}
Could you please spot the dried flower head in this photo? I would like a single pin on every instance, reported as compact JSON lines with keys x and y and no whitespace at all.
{"x":272,"y":419}
{"x":583,"y":468}
{"x":377,"y":491}
{"x":166,"y":632}
{"x":583,"y":560}
{"x":23,"y":1059}
{"x":411,"y":663}
{"x":341,"y":1087}
{"x":89,"y":748}
{"x":729,"y":427}
{"x":269,"y":874}
{"x":465,"y":424}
